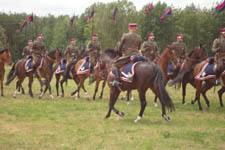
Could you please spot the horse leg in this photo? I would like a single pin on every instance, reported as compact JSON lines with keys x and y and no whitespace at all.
{"x":205,"y":88}
{"x":155,"y":101}
{"x":23,"y":91}
{"x":220,"y":93}
{"x":114,"y":93}
{"x":30,"y":85}
{"x":19,"y":83}
{"x":57,"y":77}
{"x":184,"y":84}
{"x":2,"y":94}
{"x":96,"y":88}
{"x":128,"y":97}
{"x":103,"y":86}
{"x":61,"y":84}
{"x":143,"y":104}
{"x":50,"y":90}
{"x":198,"y":93}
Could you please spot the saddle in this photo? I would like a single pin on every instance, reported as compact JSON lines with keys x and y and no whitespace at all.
{"x":85,"y":67}
{"x":62,"y":67}
{"x":28,"y":64}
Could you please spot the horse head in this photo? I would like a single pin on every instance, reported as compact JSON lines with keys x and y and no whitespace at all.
{"x":6,"y":56}
{"x":198,"y":53}
{"x":58,"y":55}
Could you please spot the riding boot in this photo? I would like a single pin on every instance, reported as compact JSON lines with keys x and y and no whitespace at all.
{"x":217,"y":82}
{"x":91,"y":78}
{"x":116,"y":81}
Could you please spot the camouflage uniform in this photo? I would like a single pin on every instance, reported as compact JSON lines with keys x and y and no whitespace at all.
{"x":130,"y":44}
{"x":71,"y":52}
{"x":38,"y":50}
{"x":149,"y":49}
{"x":94,"y":49}
{"x":26,"y":51}
{"x":116,"y":49}
{"x":219,"y":48}
{"x":180,"y":49}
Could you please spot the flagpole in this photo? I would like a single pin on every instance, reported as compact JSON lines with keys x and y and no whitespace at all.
{"x":92,"y":26}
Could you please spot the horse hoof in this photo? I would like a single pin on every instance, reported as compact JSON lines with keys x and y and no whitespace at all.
{"x":132,"y":98}
{"x":39,"y":96}
{"x":121,"y":114}
{"x":184,"y":103}
{"x":14,"y":96}
{"x":155,"y":104}
{"x":128,"y":103}
{"x":192,"y":102}
{"x":62,"y":95}
{"x":51,"y":96}
{"x":123,"y":97}
{"x":138,"y":118}
{"x":167,"y":118}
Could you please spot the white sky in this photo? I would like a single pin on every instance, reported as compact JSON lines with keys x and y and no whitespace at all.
{"x":69,"y":7}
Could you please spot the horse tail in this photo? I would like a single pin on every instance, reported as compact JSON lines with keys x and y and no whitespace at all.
{"x":163,"y":94}
{"x":12,"y":74}
{"x":178,"y":79}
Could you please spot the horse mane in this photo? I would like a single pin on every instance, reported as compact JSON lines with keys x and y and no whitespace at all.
{"x":4,"y":50}
{"x":52,"y":52}
{"x":190,"y":54}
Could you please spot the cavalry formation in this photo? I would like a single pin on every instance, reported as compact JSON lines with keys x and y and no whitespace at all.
{"x":138,"y":73}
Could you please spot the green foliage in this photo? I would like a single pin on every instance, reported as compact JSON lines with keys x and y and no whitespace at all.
{"x":197,"y":25}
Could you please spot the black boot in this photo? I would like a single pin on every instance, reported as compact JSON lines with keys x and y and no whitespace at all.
{"x":91,"y":78}
{"x":116,"y":81}
{"x":217,"y":82}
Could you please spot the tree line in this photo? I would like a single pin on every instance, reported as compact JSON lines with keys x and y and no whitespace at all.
{"x":197,"y":26}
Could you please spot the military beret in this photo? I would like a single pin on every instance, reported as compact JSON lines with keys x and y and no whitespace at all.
{"x":151,"y":36}
{"x":40,"y":36}
{"x":132,"y":25}
{"x":222,"y":30}
{"x":95,"y":35}
{"x":180,"y":36}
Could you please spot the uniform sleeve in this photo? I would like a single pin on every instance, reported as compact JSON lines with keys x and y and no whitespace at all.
{"x":185,"y":49}
{"x":89,"y":46}
{"x":24,"y":51}
{"x":215,"y":46}
{"x":67,"y":49}
{"x":121,"y":44}
{"x":143,"y":47}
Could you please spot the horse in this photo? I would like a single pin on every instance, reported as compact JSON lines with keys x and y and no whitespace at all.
{"x":18,"y":70}
{"x":69,"y":73}
{"x":168,"y":55}
{"x":5,"y":57}
{"x":185,"y":74}
{"x":146,"y":75}
{"x":99,"y":75}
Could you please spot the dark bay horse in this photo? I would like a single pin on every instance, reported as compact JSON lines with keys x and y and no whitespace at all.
{"x":5,"y":57}
{"x":147,"y":75}
{"x":186,"y":74}
{"x":18,"y":70}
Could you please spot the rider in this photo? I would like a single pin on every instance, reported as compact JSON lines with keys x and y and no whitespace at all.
{"x":180,"y":47}
{"x":129,"y":45}
{"x":150,"y":46}
{"x":72,"y":51}
{"x":219,"y":48}
{"x":94,"y":49}
{"x":27,"y":49}
{"x":38,"y":50}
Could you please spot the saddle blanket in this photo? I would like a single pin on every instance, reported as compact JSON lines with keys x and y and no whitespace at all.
{"x":62,"y":67}
{"x":208,"y":71}
{"x":28,"y":65}
{"x":84,"y":67}
{"x":127,"y":72}
{"x":170,"y":70}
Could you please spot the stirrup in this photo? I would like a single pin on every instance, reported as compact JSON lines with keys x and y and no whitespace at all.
{"x":217,"y":82}
{"x":115,"y":83}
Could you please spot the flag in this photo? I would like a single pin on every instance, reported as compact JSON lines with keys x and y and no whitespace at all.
{"x":220,"y":8}
{"x":149,"y":8}
{"x":90,"y":16}
{"x":31,"y":18}
{"x":115,"y":14}
{"x":24,"y":24}
{"x":71,"y":21}
{"x":168,"y":12}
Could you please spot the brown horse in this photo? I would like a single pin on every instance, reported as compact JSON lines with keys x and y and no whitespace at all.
{"x":185,"y":74}
{"x":5,"y":56}
{"x":18,"y":70}
{"x":99,"y":75}
{"x":168,"y":55}
{"x":147,"y":75}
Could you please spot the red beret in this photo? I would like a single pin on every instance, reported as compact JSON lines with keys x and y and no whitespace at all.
{"x":151,"y":36}
{"x":132,"y":25}
{"x":180,"y":36}
{"x":95,"y":35}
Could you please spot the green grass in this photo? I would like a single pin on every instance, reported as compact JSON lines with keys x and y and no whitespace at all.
{"x":68,"y":124}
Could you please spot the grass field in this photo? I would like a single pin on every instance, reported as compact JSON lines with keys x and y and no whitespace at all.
{"x":68,"y":124}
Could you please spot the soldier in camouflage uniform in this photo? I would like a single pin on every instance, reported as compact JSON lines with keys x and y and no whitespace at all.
{"x":219,"y":48}
{"x":180,"y":47}
{"x":72,"y":51}
{"x":38,"y":50}
{"x":150,"y":48}
{"x":129,"y":45}
{"x":94,"y":49}
{"x":27,"y":49}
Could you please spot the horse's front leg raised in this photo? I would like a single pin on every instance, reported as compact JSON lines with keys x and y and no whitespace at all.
{"x":114,"y":93}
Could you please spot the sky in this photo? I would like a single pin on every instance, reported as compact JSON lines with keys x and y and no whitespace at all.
{"x":69,"y":7}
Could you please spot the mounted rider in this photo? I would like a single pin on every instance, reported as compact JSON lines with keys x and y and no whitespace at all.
{"x":27,"y":49}
{"x":72,"y":51}
{"x":180,"y":47}
{"x":219,"y":48}
{"x":129,"y":45}
{"x":150,"y":48}
{"x":38,"y":50}
{"x":94,"y":49}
